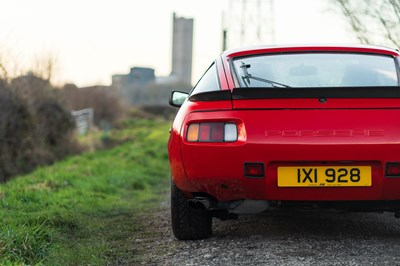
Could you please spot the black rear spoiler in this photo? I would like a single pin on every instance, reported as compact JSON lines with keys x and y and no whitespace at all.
{"x":221,"y":95}
{"x":297,"y":93}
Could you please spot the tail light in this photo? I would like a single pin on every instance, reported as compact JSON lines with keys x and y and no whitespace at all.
{"x":212,"y":132}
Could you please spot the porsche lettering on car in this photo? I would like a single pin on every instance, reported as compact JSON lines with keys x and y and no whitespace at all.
{"x":277,"y":127}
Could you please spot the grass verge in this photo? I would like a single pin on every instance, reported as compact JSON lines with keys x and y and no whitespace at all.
{"x":85,"y":209}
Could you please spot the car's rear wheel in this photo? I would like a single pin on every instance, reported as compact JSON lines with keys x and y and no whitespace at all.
{"x":188,"y":223}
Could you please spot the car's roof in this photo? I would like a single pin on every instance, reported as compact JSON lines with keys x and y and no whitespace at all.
{"x":310,"y":48}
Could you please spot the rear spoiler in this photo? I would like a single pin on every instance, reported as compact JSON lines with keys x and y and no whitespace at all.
{"x":221,"y":95}
{"x":296,"y":93}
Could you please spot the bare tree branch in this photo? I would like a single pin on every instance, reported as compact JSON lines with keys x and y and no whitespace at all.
{"x":44,"y":66}
{"x":388,"y":32}
{"x":396,"y":8}
{"x":4,"y":72}
{"x":375,"y":21}
{"x":354,"y":21}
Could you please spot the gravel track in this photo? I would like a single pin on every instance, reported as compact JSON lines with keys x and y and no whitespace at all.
{"x":279,"y":238}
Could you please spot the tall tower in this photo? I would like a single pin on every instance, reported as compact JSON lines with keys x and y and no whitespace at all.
{"x":182,"y":49}
{"x":248,"y":22}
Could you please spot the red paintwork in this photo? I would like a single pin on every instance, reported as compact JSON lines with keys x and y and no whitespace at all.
{"x":287,"y":132}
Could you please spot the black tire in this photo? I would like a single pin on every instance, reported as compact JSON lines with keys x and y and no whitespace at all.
{"x":188,"y":223}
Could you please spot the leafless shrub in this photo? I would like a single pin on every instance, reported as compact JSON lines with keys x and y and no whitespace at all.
{"x":107,"y":104}
{"x":54,"y":125}
{"x":16,"y":141}
{"x":35,"y":129}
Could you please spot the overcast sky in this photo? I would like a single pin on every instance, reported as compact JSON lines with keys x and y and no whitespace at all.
{"x":93,"y":39}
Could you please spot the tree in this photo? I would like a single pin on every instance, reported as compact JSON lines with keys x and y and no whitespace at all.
{"x":374,"y":21}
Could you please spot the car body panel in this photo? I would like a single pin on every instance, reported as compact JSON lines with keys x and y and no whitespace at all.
{"x":290,"y":137}
{"x":287,"y":132}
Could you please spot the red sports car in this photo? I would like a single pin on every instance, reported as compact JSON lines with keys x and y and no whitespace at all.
{"x":286,"y":127}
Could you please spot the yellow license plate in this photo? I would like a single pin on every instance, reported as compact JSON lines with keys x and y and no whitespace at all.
{"x":324,"y":176}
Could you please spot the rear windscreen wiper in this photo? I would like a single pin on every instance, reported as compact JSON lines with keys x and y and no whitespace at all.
{"x":246,"y":78}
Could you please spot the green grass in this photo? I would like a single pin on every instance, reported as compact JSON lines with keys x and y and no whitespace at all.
{"x":85,"y":209}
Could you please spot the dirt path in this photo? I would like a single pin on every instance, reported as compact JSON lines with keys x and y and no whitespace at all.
{"x":290,"y":238}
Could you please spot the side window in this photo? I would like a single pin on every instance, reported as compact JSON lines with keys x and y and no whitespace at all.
{"x":208,"y":82}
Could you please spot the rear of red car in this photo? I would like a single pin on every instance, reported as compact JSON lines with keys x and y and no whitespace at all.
{"x":291,"y":126}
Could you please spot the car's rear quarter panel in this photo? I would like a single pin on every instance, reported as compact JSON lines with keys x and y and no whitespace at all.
{"x":175,"y":146}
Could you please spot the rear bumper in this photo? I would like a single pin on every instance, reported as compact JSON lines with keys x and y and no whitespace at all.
{"x":257,"y":206}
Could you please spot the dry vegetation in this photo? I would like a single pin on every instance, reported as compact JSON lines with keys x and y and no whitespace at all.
{"x":107,"y":104}
{"x":35,"y":129}
{"x":36,"y":125}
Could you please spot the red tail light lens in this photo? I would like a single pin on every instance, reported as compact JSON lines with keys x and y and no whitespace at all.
{"x":205,"y":132}
{"x":393,"y":169}
{"x":212,"y":132}
{"x":217,"y":132}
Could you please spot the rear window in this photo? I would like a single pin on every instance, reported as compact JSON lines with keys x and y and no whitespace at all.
{"x":316,"y":70}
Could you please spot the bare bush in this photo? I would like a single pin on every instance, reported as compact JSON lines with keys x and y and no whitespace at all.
{"x":54,"y":125}
{"x":16,"y":142}
{"x":35,"y":129}
{"x":106,"y":103}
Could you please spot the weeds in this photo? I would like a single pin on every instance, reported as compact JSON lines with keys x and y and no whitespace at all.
{"x":82,"y":210}
{"x":25,"y":243}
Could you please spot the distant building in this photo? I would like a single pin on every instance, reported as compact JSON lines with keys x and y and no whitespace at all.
{"x":140,"y":76}
{"x":129,"y":84}
{"x":182,"y":49}
{"x":141,"y":87}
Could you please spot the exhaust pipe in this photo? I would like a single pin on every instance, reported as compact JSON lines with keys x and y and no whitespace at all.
{"x":201,"y":203}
